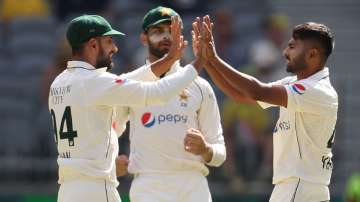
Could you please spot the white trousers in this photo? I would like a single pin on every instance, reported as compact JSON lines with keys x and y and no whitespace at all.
{"x":176,"y":187}
{"x":297,"y":190}
{"x":89,"y":191}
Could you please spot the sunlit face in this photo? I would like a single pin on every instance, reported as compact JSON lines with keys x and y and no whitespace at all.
{"x":294,"y":54}
{"x":159,"y":39}
{"x":107,"y":48}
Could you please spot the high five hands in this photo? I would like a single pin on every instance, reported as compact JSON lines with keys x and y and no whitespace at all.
{"x":178,"y":43}
{"x":203,"y":44}
{"x":202,"y":37}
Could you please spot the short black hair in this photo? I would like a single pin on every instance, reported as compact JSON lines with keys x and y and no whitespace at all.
{"x":317,"y":32}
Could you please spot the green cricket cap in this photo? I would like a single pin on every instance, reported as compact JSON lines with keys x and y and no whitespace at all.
{"x":158,"y":15}
{"x":85,"y":27}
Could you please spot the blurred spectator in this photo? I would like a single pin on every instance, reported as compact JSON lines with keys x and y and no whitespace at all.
{"x":58,"y":65}
{"x":225,"y":35}
{"x":265,"y":54}
{"x":10,"y":9}
{"x":246,"y":128}
{"x":183,"y":6}
{"x":65,"y":9}
{"x":352,"y":192}
{"x":44,"y":129}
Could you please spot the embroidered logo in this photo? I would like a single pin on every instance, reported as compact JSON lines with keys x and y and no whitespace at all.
{"x":298,"y":88}
{"x":184,"y":95}
{"x":120,"y":81}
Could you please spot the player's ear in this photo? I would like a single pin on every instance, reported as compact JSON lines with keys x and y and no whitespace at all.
{"x":313,"y":53}
{"x":93,"y":43}
{"x":143,"y":39}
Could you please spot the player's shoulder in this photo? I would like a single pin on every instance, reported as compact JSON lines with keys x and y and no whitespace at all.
{"x":324,"y":88}
{"x":59,"y":78}
{"x":104,"y":76}
{"x":203,"y":83}
{"x":204,"y":86}
{"x":102,"y":80}
{"x":318,"y":90}
{"x":285,"y":80}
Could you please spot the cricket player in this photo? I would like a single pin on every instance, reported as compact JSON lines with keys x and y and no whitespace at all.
{"x":84,"y":100}
{"x":171,"y":145}
{"x":304,"y":133}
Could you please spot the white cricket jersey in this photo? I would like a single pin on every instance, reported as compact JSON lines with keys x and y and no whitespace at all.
{"x":157,"y":132}
{"x":304,"y":133}
{"x":84,"y":102}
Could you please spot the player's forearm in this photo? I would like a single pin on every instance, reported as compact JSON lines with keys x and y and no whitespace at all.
{"x":162,"y":65}
{"x":198,"y":64}
{"x":250,"y":86}
{"x":225,"y":86}
{"x":166,"y":88}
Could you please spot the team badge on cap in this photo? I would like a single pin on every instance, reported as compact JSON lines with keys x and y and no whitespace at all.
{"x":165,"y":11}
{"x":298,"y":88}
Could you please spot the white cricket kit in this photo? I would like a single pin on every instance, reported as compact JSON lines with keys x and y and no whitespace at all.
{"x":304,"y":133}
{"x":157,"y":135}
{"x":84,"y":101}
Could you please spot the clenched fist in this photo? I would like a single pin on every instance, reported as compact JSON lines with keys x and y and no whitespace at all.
{"x":195,"y":143}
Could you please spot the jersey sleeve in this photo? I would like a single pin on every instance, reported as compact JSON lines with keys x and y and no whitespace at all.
{"x":143,"y":73}
{"x":210,"y":124}
{"x":111,"y":90}
{"x":306,"y":97}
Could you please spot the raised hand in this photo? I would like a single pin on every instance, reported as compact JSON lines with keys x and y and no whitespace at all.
{"x":207,"y":37}
{"x":197,"y":45}
{"x":196,"y":38}
{"x":178,"y":43}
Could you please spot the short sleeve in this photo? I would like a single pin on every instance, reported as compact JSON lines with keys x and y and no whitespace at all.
{"x":305,"y":97}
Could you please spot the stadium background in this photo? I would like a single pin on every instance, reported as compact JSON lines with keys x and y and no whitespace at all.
{"x":250,"y":35}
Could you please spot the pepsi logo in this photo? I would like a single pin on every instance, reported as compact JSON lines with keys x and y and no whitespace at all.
{"x":298,"y":88}
{"x":148,"y":120}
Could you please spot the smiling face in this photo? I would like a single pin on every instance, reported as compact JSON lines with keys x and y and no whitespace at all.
{"x":295,"y":55}
{"x":106,"y":50}
{"x":158,"y":39}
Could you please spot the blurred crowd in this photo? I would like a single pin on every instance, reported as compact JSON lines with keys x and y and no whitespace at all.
{"x":249,"y":35}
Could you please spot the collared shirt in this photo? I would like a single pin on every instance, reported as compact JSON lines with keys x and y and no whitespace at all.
{"x":304,"y":133}
{"x":83,"y":102}
{"x":157,"y":132}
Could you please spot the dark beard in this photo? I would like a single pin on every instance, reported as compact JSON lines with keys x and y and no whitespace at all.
{"x":157,"y":52}
{"x":103,"y":61}
{"x":299,"y":63}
